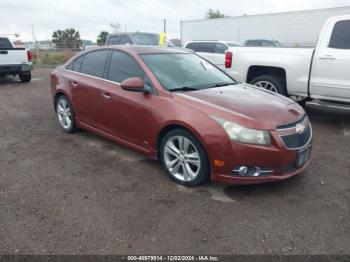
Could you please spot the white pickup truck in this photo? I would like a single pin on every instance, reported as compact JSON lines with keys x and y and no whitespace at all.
{"x":322,"y":73}
{"x":15,"y":61}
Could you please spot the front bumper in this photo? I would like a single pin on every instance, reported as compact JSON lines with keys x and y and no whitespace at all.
{"x":279,"y":160}
{"x":15,"y":69}
{"x":257,"y":180}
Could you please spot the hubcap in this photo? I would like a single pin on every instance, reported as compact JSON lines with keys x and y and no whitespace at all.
{"x":64,"y":114}
{"x":267,"y":85}
{"x":182,"y":158}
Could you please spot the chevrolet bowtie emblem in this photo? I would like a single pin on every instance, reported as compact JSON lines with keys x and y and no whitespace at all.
{"x":300,"y":128}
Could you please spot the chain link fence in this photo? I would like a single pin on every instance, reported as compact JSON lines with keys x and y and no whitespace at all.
{"x":48,"y":55}
{"x":51,"y":58}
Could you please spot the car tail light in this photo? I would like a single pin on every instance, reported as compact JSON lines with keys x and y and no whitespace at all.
{"x":228,"y":60}
{"x":30,"y":56}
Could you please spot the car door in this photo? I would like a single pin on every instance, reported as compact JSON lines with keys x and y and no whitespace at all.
{"x":218,"y":57}
{"x":194,"y":46}
{"x":206,"y":50}
{"x":85,"y":86}
{"x":126,"y":115}
{"x":213,"y":52}
{"x":330,"y":77}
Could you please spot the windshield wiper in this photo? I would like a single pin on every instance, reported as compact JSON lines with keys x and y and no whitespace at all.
{"x":222,"y":84}
{"x":183,"y":88}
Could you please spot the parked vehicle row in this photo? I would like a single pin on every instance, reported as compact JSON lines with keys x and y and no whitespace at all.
{"x":15,"y":61}
{"x":171,"y":104}
{"x":136,"y":38}
{"x":320,"y":73}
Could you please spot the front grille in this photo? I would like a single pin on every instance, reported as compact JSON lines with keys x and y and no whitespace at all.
{"x":291,"y":125}
{"x":297,"y":140}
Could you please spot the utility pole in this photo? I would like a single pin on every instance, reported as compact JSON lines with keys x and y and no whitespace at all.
{"x":164,"y":24}
{"x":35,"y":44}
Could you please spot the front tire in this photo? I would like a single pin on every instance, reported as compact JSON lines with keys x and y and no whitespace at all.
{"x":25,"y":77}
{"x":184,"y":158}
{"x":272,"y":83}
{"x":65,"y":114}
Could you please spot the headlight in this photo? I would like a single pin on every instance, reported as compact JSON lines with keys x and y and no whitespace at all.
{"x":243,"y":134}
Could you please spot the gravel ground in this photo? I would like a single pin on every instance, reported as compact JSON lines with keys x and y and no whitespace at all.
{"x":82,"y":194}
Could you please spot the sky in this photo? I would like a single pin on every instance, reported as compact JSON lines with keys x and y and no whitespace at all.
{"x":91,"y":17}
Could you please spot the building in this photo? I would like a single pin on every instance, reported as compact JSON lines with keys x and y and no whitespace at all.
{"x":300,"y":28}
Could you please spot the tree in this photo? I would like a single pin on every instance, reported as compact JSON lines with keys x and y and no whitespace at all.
{"x":212,"y":14}
{"x":68,"y":38}
{"x":102,"y":38}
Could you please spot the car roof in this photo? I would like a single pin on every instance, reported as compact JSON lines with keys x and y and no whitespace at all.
{"x":126,"y":33}
{"x":212,"y":41}
{"x":261,"y":40}
{"x":139,"y":49}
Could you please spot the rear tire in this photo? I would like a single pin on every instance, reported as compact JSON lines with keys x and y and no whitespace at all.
{"x":25,"y":77}
{"x":272,"y":83}
{"x":184,"y":158}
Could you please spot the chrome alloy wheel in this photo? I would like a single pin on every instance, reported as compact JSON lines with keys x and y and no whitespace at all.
{"x":267,"y":85}
{"x":182,"y":158}
{"x":64,"y":114}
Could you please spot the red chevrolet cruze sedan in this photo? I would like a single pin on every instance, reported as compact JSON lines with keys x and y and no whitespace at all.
{"x":172,"y":105}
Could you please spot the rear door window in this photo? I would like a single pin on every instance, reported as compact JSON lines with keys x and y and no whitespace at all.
{"x":76,"y":64}
{"x":192,"y":46}
{"x":114,"y":40}
{"x":220,"y":48}
{"x":94,"y":63}
{"x":340,"y":38}
{"x":266,"y":43}
{"x":206,"y":47}
{"x":123,"y":66}
{"x":253,"y":43}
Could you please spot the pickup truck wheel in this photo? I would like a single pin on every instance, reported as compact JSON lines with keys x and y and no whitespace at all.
{"x":272,"y":83}
{"x":25,"y":77}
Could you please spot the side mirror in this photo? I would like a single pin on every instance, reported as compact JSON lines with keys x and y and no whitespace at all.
{"x":134,"y":84}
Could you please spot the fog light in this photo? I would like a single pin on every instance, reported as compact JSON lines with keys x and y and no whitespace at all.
{"x":251,"y":171}
{"x":242,"y":171}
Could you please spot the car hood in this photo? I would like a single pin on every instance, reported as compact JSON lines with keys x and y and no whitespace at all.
{"x":243,"y":104}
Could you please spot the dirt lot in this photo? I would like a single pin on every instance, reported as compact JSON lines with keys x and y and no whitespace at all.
{"x":82,"y":194}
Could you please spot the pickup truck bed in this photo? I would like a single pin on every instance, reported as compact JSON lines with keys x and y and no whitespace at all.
{"x":295,"y":61}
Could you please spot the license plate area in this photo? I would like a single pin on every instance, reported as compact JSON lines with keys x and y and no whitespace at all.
{"x":303,"y":156}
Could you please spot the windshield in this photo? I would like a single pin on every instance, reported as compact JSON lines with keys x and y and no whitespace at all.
{"x":146,"y":39}
{"x":185,"y":72}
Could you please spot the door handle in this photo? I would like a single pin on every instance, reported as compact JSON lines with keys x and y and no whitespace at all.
{"x":327,"y":57}
{"x":74,"y":84}
{"x":106,"y":96}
